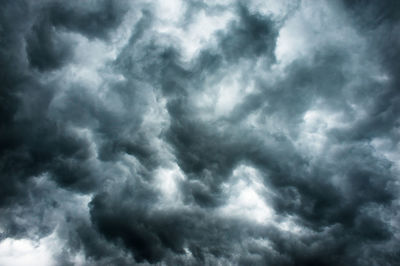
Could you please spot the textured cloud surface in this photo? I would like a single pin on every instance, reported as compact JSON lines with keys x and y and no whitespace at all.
{"x":199,"y":132}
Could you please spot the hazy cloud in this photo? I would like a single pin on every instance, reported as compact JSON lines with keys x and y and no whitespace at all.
{"x":199,"y":132}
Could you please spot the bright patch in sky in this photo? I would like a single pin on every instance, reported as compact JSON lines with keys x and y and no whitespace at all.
{"x":244,"y":199}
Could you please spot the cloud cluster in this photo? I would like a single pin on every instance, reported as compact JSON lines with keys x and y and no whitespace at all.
{"x":200,"y":132}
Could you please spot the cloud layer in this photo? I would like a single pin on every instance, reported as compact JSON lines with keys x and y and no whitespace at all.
{"x":199,"y":132}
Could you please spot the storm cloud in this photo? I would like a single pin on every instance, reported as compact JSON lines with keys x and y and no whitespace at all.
{"x":199,"y":132}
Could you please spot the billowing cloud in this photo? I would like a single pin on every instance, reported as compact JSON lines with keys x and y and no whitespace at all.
{"x":199,"y":132}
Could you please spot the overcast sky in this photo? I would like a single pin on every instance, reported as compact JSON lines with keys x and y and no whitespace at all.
{"x":199,"y":132}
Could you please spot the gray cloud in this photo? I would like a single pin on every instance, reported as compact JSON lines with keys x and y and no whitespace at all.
{"x":135,"y":133}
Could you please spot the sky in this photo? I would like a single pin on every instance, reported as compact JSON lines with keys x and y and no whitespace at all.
{"x":199,"y":132}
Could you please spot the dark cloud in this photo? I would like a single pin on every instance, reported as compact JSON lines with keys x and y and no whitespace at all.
{"x":253,"y":35}
{"x":45,"y":49}
{"x":94,"y":19}
{"x":128,"y":151}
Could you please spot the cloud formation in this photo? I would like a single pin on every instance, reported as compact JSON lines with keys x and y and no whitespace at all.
{"x":199,"y":132}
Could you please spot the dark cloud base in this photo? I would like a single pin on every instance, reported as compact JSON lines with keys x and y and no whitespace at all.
{"x":86,"y":164}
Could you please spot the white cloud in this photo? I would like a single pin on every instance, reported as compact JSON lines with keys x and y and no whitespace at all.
{"x":23,"y":252}
{"x":246,"y":200}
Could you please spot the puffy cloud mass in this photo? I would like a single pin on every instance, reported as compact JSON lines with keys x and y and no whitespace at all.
{"x":199,"y":132}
